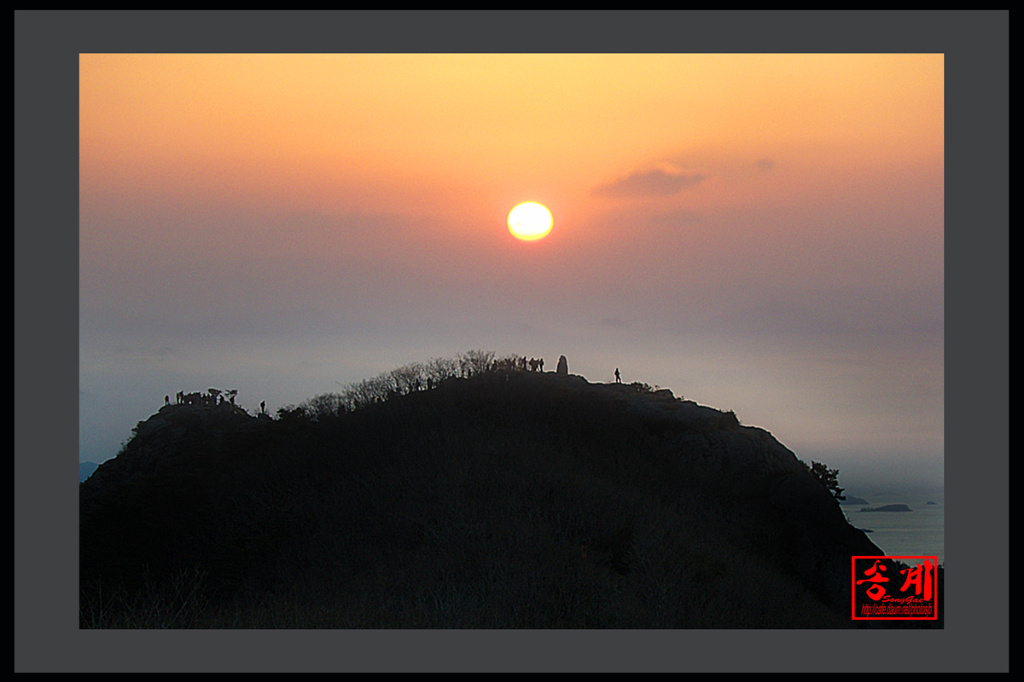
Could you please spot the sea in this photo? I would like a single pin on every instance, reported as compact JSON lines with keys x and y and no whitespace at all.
{"x":920,"y":532}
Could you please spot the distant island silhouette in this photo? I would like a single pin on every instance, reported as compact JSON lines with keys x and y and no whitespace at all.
{"x":888,"y":508}
{"x":469,"y":492}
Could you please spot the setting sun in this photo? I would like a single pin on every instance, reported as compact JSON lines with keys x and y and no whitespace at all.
{"x":529,"y":221}
{"x":346,"y":209}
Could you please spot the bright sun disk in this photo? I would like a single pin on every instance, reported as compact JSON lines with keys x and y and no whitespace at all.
{"x":529,"y":221}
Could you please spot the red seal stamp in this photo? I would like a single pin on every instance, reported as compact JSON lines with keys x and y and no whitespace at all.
{"x":894,"y":588}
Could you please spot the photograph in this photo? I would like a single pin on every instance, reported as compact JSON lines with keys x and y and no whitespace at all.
{"x":458,"y":340}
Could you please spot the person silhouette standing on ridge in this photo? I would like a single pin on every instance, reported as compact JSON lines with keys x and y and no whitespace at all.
{"x":618,"y":377}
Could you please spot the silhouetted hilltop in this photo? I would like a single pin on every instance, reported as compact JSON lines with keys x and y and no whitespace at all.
{"x":507,"y":497}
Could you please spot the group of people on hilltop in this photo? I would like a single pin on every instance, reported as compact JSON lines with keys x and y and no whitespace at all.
{"x":211,"y":398}
{"x":517,"y":364}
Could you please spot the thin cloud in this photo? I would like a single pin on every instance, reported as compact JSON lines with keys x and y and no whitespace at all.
{"x":765,"y":164}
{"x":614,"y":322}
{"x":661,"y":180}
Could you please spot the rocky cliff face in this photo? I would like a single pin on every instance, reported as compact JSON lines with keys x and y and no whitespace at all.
{"x":482,"y":480}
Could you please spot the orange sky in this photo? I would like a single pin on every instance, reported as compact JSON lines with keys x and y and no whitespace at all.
{"x":469,"y":134}
{"x":735,"y":227}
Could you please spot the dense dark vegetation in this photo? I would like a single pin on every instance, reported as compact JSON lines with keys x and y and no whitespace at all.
{"x":477,"y":494}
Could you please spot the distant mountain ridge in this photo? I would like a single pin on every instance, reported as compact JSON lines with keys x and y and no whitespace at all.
{"x":85,"y":470}
{"x":504,"y":498}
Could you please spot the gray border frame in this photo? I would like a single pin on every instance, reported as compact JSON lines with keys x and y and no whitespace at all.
{"x":47,"y":43}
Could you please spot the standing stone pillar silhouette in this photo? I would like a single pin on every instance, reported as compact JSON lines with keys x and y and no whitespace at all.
{"x":563,"y":366}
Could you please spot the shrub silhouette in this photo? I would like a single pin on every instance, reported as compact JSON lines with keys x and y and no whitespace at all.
{"x":828,"y":478}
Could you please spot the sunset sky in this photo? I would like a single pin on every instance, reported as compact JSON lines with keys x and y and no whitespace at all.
{"x":757,"y":232}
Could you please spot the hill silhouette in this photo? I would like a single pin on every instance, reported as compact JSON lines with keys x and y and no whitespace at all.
{"x":496,"y":496}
